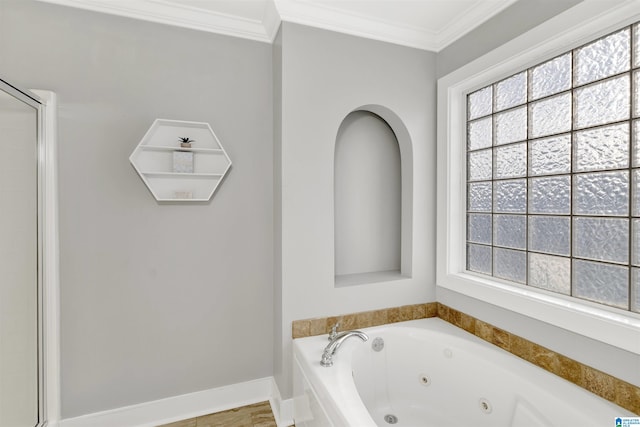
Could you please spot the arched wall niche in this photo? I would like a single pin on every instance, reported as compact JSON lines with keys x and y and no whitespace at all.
{"x":373,"y":198}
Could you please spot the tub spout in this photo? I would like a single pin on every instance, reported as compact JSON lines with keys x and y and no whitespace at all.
{"x":334,"y":345}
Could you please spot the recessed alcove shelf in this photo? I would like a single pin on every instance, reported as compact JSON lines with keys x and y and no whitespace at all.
{"x":154,"y":156}
{"x":368,"y":201}
{"x":367,"y":278}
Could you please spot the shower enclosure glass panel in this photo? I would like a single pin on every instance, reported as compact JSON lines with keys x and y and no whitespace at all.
{"x":19,"y":262}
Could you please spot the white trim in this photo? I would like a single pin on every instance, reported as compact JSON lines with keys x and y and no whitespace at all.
{"x":51,"y":283}
{"x":334,"y":19}
{"x":472,"y":18}
{"x":568,"y":30}
{"x":180,"y":16}
{"x":282,"y":409}
{"x":271,"y":20}
{"x":331,"y":17}
{"x":318,"y":14}
{"x":183,"y":407}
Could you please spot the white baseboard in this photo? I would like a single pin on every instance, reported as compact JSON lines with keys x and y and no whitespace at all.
{"x":164,"y":411}
{"x":282,"y":409}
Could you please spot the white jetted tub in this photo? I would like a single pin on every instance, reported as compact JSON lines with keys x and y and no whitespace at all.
{"x":432,"y":374}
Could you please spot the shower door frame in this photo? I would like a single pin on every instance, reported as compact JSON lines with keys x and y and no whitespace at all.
{"x":47,"y":259}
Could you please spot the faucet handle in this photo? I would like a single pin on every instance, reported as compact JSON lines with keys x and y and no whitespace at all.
{"x":334,"y":331}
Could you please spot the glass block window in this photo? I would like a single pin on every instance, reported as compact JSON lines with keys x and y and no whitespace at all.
{"x":553,"y":174}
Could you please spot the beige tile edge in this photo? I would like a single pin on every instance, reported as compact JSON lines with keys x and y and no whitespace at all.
{"x":606,"y":386}
{"x":322,"y":325}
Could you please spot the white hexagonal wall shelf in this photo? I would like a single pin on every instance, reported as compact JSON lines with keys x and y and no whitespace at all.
{"x":177,"y":172}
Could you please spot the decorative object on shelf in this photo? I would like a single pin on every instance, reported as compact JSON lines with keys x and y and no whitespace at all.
{"x":180,"y":173}
{"x":183,"y":161}
{"x":183,"y":195}
{"x":185,"y":141}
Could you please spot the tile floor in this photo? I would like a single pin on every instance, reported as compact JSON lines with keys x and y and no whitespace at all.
{"x":256,"y":415}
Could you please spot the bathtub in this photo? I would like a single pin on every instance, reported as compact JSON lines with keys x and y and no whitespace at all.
{"x":430,"y":373}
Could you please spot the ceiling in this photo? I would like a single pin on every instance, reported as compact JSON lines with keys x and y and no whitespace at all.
{"x":425,"y":24}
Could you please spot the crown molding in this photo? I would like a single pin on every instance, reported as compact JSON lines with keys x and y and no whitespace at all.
{"x":470,"y":19}
{"x":310,"y":13}
{"x":271,"y":20}
{"x":331,"y":18}
{"x":165,"y":12}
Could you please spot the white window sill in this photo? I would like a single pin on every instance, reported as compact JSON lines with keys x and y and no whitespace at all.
{"x":611,"y":326}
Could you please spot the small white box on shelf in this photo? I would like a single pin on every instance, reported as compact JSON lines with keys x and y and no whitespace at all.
{"x":184,"y":195}
{"x":183,"y":162}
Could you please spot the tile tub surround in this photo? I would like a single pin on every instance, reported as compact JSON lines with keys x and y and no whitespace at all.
{"x":610,"y":388}
{"x":256,"y":415}
{"x":365,"y":319}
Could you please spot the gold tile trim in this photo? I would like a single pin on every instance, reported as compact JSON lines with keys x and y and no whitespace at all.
{"x":604,"y":385}
{"x":322,"y":325}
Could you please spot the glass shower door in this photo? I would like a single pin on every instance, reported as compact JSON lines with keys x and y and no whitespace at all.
{"x":19,"y":261}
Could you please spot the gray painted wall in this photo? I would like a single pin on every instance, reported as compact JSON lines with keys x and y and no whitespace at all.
{"x":161,"y":300}
{"x":508,"y":24}
{"x":325,"y":76}
{"x":156,"y":300}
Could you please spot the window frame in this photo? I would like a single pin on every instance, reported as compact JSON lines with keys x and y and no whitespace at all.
{"x":579,"y":25}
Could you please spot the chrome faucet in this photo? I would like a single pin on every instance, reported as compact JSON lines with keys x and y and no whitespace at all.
{"x":334,"y":332}
{"x":336,"y":342}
